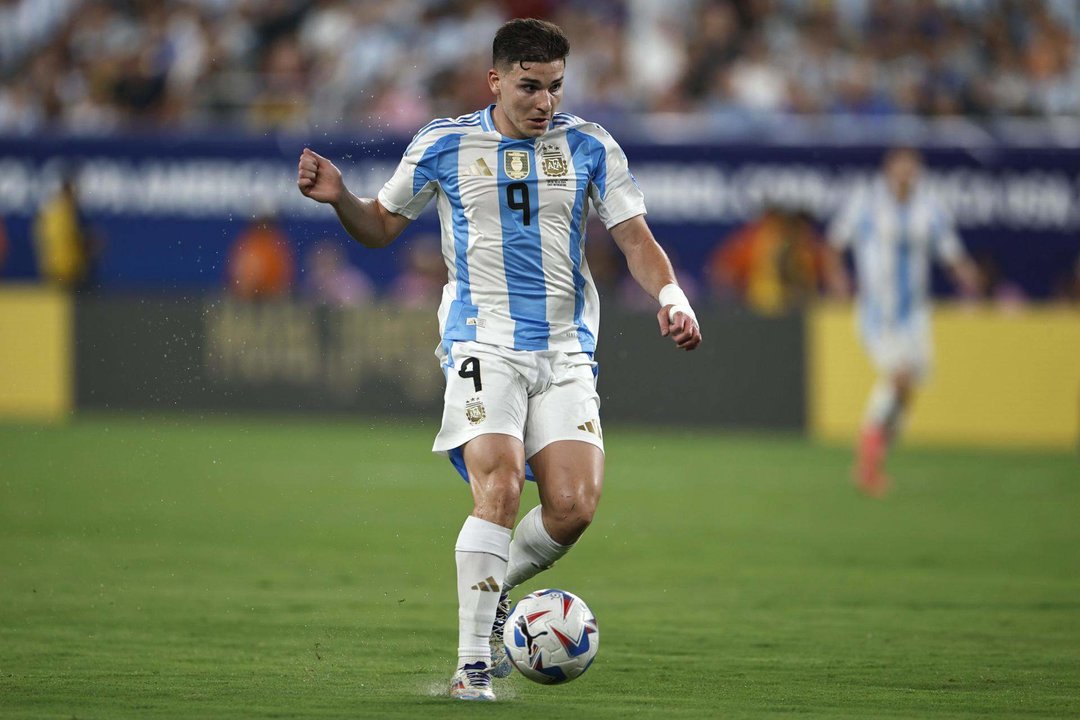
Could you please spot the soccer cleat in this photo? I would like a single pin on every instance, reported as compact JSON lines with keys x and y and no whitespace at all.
{"x":870,"y":478}
{"x":472,"y":681}
{"x":500,"y":661}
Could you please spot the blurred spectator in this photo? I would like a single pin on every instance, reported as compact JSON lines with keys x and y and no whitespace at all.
{"x":281,"y":102}
{"x":329,"y":279}
{"x":420,"y":284}
{"x":260,"y":262}
{"x":1068,"y":286}
{"x":67,"y":246}
{"x":992,"y":284}
{"x":772,"y":264}
{"x":3,"y":244}
{"x":755,"y":82}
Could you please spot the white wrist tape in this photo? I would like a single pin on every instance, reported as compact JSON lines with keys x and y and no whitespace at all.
{"x":671,"y":294}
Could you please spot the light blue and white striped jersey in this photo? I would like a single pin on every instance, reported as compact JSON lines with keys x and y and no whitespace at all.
{"x":513,"y":216}
{"x":893,"y":243}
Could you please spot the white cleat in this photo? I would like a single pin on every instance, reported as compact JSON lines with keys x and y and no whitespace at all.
{"x":500,"y":661}
{"x":472,"y":682}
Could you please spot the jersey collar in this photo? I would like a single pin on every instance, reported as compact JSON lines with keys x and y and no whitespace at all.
{"x":487,"y":120}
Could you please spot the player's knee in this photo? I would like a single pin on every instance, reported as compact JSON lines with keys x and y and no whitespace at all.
{"x":903,"y":382}
{"x":569,"y":515}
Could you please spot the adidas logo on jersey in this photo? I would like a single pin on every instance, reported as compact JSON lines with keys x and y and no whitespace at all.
{"x":488,"y":585}
{"x":480,"y":168}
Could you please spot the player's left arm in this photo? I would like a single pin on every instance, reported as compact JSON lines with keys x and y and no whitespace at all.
{"x":652,"y":270}
{"x":965,"y":274}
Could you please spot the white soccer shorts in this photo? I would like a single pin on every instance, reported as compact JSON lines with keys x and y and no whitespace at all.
{"x":537,"y":396}
{"x":905,"y":348}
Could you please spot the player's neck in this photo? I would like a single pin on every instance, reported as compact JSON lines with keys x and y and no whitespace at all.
{"x":503,"y":124}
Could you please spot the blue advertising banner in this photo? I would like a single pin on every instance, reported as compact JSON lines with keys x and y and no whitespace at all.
{"x":168,"y":207}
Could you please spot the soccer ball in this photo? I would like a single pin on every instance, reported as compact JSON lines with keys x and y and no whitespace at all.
{"x":551,"y":636}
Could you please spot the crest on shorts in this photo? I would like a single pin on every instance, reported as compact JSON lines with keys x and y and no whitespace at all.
{"x":552,"y":161}
{"x":474,"y":411}
{"x":516,"y":164}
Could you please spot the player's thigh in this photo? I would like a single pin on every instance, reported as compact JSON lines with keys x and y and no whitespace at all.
{"x":485,"y":394}
{"x":904,"y":351}
{"x":568,"y":409}
{"x":564,"y":441}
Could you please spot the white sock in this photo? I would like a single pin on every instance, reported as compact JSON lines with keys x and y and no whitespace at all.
{"x":481,"y":552}
{"x":883,"y":408}
{"x":532,"y":549}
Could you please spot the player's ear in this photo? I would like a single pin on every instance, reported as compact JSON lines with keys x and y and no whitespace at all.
{"x":493,"y":81}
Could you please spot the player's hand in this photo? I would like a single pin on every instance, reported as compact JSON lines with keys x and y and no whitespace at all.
{"x":682,"y":329}
{"x":318,"y":178}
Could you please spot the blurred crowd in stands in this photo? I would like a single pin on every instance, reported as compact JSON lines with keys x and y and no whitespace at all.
{"x":96,"y":66}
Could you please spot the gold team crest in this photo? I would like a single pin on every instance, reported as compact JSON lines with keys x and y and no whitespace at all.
{"x":552,"y":161}
{"x":474,"y":411}
{"x":516,"y":164}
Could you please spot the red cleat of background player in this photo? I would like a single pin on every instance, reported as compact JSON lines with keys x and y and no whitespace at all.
{"x":869,"y":472}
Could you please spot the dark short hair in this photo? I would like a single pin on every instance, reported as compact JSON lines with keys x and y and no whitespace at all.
{"x":529,"y":40}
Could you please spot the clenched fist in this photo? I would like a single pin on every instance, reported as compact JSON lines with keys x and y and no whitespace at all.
{"x":318,"y":178}
{"x":682,"y":328}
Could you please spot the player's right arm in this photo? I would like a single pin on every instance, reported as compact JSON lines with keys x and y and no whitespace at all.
{"x":369,"y":223}
{"x":840,"y":236}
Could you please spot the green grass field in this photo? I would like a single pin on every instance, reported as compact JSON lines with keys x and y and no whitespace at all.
{"x":201,"y":568}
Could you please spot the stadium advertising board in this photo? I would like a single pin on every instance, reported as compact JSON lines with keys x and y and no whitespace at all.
{"x":169,"y":206}
{"x":208,"y":353}
{"x":160,"y":354}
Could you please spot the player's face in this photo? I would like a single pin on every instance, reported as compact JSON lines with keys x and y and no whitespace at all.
{"x":526,"y":97}
{"x":902,"y":171}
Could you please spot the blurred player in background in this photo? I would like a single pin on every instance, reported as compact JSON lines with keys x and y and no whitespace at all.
{"x":893,"y":227}
{"x":519,"y":316}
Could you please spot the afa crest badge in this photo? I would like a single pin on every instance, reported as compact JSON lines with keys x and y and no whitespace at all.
{"x":552,"y":161}
{"x":554,"y":166}
{"x":474,"y":411}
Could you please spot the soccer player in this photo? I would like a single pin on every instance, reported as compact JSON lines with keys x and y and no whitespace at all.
{"x":893,"y":228}
{"x":519,"y":316}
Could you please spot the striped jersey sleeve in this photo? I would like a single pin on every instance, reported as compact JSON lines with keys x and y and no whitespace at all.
{"x":614,"y":192}
{"x":844,"y":226}
{"x":416,"y":180}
